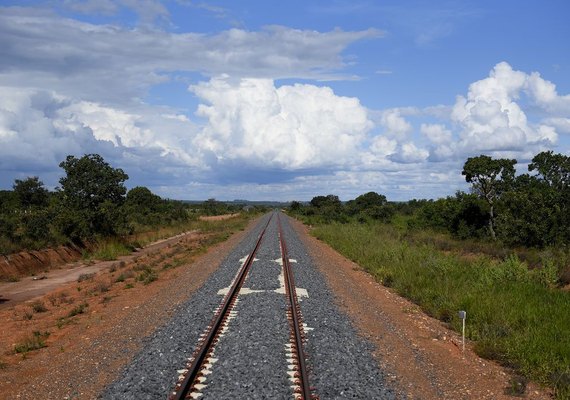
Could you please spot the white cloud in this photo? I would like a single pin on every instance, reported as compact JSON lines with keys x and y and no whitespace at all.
{"x":38,"y":129}
{"x":436,"y":133}
{"x":395,"y":126}
{"x":112,"y":64}
{"x":290,"y":127}
{"x":561,"y":125}
{"x":544,"y":94}
{"x":409,"y":153}
{"x":383,"y":147}
{"x":491,"y":118}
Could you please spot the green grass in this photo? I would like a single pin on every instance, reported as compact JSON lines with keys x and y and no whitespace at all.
{"x":34,"y":342}
{"x":110,"y":249}
{"x":146,"y":275}
{"x":515,"y":315}
{"x":79,"y":309}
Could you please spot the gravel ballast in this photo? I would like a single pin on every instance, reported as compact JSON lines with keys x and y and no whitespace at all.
{"x":252,"y":361}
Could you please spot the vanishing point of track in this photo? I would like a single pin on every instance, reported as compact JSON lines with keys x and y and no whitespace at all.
{"x":189,"y":383}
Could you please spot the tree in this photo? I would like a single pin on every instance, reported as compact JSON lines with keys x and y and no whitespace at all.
{"x":529,"y":214}
{"x":554,"y":178}
{"x":371,"y":205}
{"x":144,"y":207}
{"x":295,"y":205}
{"x":554,"y":169}
{"x":368,"y":200}
{"x":92,"y":191}
{"x":489,"y":179}
{"x":325,"y":201}
{"x":31,"y":193}
{"x":214,"y":207}
{"x":327,"y":208}
{"x":143,"y":200}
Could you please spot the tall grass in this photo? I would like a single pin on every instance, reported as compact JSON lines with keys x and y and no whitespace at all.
{"x":112,"y":248}
{"x":515,"y":315}
{"x":109,"y":249}
{"x":149,"y":235}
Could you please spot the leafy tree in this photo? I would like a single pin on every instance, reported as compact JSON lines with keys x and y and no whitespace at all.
{"x":31,"y":193}
{"x":366,"y":201}
{"x":215,"y":207}
{"x":553,"y":193}
{"x":489,"y":178}
{"x":295,"y":205}
{"x":464,"y":215}
{"x":7,"y":201}
{"x":528,"y":213}
{"x":326,"y":201}
{"x":554,"y":169}
{"x":142,"y":203}
{"x":141,"y":196}
{"x":92,"y":192}
{"x":371,"y":205}
{"x":146,"y":208}
{"x":327,"y":208}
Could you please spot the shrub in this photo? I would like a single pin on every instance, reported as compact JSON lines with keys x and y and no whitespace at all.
{"x":34,"y":342}
{"x":147,"y":275}
{"x":86,"y":277}
{"x":39,"y":306}
{"x":79,"y":309}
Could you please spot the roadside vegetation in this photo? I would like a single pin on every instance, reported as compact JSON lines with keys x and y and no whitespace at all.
{"x":48,"y":319}
{"x":500,"y":252}
{"x":93,"y":210}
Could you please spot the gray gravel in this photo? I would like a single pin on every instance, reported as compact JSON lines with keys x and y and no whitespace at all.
{"x":251,"y":355}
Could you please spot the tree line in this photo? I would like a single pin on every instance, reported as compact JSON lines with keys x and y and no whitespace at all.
{"x":91,"y":202}
{"x":530,"y":209}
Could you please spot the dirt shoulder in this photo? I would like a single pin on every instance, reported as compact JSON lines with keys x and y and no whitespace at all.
{"x":96,"y":326}
{"x":421,"y":356}
{"x":30,"y":287}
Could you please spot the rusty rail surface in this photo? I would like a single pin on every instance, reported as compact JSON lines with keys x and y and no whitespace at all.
{"x":295,"y":323}
{"x":183,"y":389}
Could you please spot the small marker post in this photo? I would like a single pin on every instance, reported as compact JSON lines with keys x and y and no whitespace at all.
{"x":463,"y":316}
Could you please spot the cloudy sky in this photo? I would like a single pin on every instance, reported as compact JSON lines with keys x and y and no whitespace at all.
{"x":282,"y":100}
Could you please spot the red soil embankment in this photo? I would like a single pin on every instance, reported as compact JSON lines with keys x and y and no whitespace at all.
{"x":26,"y":263}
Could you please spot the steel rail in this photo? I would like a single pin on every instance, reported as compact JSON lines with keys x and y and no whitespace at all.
{"x":295,"y":315}
{"x":183,"y":388}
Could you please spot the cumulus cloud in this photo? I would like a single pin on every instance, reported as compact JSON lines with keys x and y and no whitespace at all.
{"x":561,"y":125}
{"x":383,"y":146}
{"x":436,"y":133}
{"x":251,"y":128}
{"x":290,"y":127}
{"x":409,"y":153}
{"x":38,"y":129}
{"x":395,"y":125}
{"x":492,"y":119}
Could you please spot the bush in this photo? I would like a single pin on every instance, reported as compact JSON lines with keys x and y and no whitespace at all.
{"x":79,"y":309}
{"x":34,"y":342}
{"x":39,"y":307}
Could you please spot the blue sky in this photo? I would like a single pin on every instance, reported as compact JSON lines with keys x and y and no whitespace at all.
{"x":282,"y":100}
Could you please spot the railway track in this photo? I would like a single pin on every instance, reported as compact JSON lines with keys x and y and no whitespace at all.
{"x":193,"y":377}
